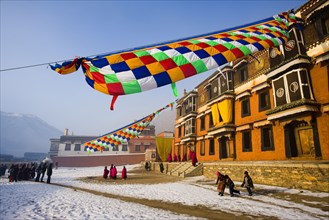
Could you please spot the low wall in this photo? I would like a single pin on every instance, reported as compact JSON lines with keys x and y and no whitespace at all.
{"x":312,"y":176}
{"x":90,"y":161}
{"x":155,"y":166}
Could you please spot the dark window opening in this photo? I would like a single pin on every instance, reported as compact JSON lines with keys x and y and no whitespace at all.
{"x":243,"y":75}
{"x":211,"y":123}
{"x":202,"y":123}
{"x":245,"y":107}
{"x":211,"y":147}
{"x":267,"y":138}
{"x":202,"y":148}
{"x":67,"y":147}
{"x":246,"y":141}
{"x":77,"y":147}
{"x":264,"y":100}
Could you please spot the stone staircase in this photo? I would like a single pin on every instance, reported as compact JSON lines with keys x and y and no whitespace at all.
{"x":185,"y":169}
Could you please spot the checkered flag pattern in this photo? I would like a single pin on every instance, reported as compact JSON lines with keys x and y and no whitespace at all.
{"x":150,"y":67}
{"x":122,"y":135}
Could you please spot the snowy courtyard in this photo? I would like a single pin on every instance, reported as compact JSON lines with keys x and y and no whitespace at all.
{"x":71,"y":197}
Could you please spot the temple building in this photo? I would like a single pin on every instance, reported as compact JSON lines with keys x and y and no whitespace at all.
{"x":273,"y":105}
{"x":68,"y":150}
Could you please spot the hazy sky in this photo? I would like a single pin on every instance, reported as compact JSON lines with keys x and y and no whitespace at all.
{"x":36,"y":32}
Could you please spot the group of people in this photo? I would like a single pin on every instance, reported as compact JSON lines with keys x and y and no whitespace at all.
{"x":24,"y":171}
{"x":184,"y":158}
{"x":27,"y":171}
{"x":112,"y":172}
{"x":41,"y":171}
{"x":176,"y":158}
{"x":224,"y":180}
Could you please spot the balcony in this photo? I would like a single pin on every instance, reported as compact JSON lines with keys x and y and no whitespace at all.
{"x":300,"y":106}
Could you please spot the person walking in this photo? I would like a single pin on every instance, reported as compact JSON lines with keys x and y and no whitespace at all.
{"x":231,"y":185}
{"x":247,"y":182}
{"x":124,"y":173}
{"x":220,"y":183}
{"x":49,"y":172}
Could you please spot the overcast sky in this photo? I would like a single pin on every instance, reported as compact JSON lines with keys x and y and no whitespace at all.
{"x":36,"y":32}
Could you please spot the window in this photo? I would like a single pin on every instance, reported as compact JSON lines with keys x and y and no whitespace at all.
{"x":67,"y":147}
{"x":325,"y":25}
{"x":202,"y":148}
{"x":243,"y":75}
{"x":264,"y":100}
{"x":246,"y":141}
{"x":77,"y":147}
{"x":291,"y":87}
{"x":146,"y":132}
{"x":267,"y":138}
{"x":179,"y":131}
{"x":137,"y":148}
{"x":179,"y":112}
{"x":115,"y":148}
{"x":245,"y":107}
{"x":106,"y":149}
{"x":190,"y":126}
{"x":190,"y":104}
{"x":124,"y":147}
{"x":211,"y":147}
{"x":146,"y":146}
{"x":209,"y":92}
{"x":202,"y":123}
{"x":211,"y":122}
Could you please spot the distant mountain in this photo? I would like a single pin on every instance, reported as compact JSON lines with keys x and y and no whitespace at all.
{"x":165,"y":121}
{"x":25,"y":133}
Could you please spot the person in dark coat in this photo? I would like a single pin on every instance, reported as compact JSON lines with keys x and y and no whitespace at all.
{"x":147,"y":166}
{"x":161,"y":167}
{"x":247,"y":182}
{"x":230,"y":184}
{"x":49,"y":172}
{"x":106,"y":172}
{"x":43,"y":170}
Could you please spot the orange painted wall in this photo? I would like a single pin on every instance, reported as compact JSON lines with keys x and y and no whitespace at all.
{"x":320,"y":86}
{"x":278,"y":133}
{"x":257,"y":154}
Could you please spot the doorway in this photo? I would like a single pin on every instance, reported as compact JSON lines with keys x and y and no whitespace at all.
{"x":299,"y":141}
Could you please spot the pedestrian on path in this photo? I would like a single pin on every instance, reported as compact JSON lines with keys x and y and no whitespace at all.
{"x":230,"y":184}
{"x":247,"y":182}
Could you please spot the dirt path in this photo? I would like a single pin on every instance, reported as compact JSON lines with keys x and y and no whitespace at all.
{"x":140,"y":176}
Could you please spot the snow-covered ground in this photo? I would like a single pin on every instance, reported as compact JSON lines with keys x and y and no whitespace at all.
{"x":30,"y":200}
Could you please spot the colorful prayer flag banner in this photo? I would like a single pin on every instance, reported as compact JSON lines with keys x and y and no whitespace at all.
{"x":122,"y":135}
{"x":149,"y":67}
